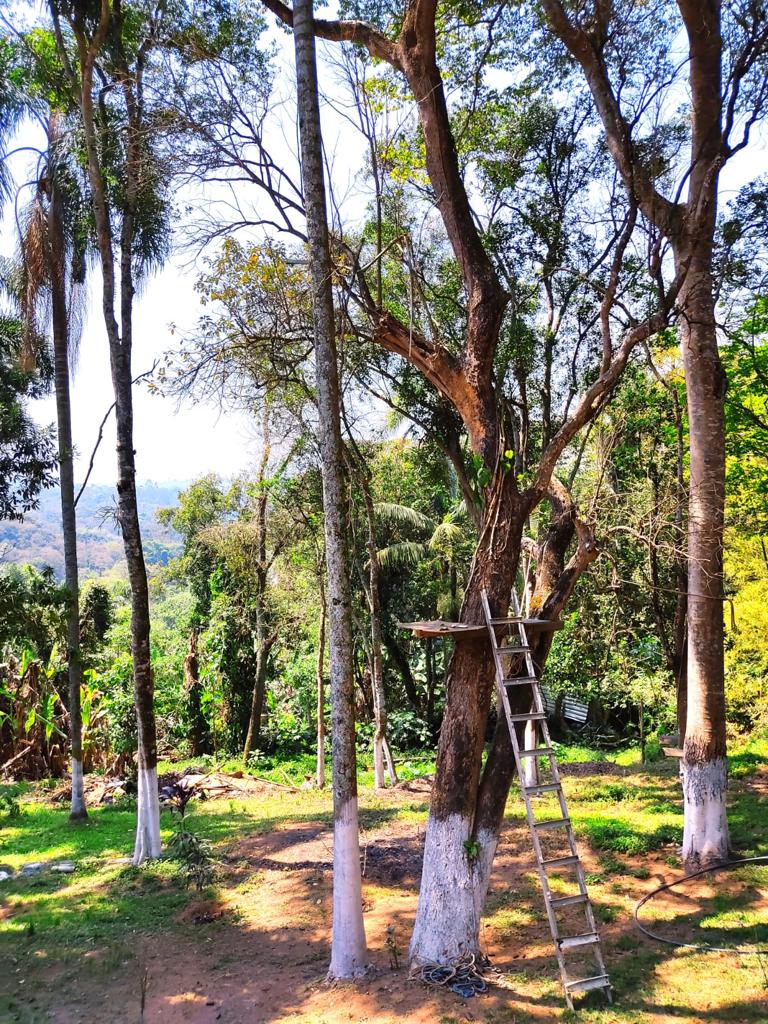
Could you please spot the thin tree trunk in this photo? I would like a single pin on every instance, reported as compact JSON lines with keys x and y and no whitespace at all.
{"x":258,"y":694}
{"x":196,"y":730}
{"x":349,"y":954}
{"x":61,"y":340}
{"x":429,"y":672}
{"x":320,"y":674}
{"x":380,"y":744}
{"x":120,"y":340}
{"x":404,"y":668}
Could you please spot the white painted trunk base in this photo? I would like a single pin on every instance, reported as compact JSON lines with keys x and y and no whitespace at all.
{"x":487,"y":841}
{"x":148,"y":819}
{"x":77,"y":806}
{"x":452,"y":893}
{"x":531,"y":775}
{"x":378,"y":763}
{"x":391,"y":770}
{"x":349,"y":952}
{"x":705,"y":830}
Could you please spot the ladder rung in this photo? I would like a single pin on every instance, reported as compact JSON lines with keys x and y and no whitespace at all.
{"x":559,"y":862}
{"x":568,"y":901}
{"x":513,"y":650}
{"x":548,"y":787}
{"x":520,"y":680}
{"x":537,"y":752}
{"x":531,"y":716}
{"x":554,"y":823}
{"x":505,"y":622}
{"x":587,"y":939}
{"x":586,"y":984}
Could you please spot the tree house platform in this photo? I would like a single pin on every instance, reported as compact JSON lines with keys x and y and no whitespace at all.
{"x":470,"y":631}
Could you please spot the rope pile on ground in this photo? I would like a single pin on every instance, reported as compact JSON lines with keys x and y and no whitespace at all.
{"x":462,"y":975}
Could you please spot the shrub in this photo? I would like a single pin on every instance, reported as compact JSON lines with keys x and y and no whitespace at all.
{"x":195,"y":857}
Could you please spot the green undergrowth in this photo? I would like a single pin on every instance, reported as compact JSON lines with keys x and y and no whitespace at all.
{"x":299,"y":769}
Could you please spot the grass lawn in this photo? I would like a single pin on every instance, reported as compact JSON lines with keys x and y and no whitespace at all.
{"x":91,"y":946}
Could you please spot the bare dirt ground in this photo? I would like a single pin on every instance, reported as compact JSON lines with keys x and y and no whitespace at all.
{"x":260,"y":953}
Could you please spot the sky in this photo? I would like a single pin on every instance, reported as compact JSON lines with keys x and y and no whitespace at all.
{"x":172,"y":443}
{"x":177,"y":444}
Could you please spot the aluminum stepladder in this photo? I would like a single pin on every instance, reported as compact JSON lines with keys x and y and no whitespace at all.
{"x":536,"y":718}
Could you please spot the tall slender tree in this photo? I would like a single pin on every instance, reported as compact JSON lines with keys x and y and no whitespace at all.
{"x":106,"y":51}
{"x":348,"y":951}
{"x":53,"y":271}
{"x":727,"y":50}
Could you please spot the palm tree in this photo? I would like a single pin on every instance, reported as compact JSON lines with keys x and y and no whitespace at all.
{"x":442,"y":541}
{"x":52,"y":270}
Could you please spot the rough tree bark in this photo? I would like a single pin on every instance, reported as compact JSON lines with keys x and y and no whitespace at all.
{"x":349,"y":954}
{"x":690,"y":228}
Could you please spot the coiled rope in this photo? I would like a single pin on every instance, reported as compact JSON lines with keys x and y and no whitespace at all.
{"x":462,"y":975}
{"x":700,"y":947}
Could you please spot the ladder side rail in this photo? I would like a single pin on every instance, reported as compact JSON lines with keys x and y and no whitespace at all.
{"x":543,"y":728}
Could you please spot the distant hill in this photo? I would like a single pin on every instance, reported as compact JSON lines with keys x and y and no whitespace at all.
{"x":38,"y":541}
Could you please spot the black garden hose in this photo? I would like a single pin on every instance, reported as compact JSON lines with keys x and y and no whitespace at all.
{"x":702,"y":948}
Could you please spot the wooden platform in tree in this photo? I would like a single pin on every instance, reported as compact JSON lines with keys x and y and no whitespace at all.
{"x":468,"y":630}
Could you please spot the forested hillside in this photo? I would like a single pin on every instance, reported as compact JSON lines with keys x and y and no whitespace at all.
{"x":37,"y":539}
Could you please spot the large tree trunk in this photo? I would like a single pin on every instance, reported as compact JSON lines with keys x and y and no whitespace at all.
{"x":348,"y":953}
{"x":704,"y":767}
{"x":447,"y":919}
{"x":690,"y":227}
{"x":61,"y":340}
{"x":455,"y":921}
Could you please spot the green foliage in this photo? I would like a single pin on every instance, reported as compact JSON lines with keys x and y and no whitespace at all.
{"x":10,"y":805}
{"x":27,"y":451}
{"x":746,"y":655}
{"x":194,"y":855}
{"x":471,"y":850}
{"x":620,"y":836}
{"x":32,"y":611}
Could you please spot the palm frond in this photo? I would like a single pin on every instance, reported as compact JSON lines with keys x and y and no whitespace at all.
{"x":445,"y":534}
{"x":402,"y":514}
{"x":34,"y":289}
{"x":402,"y":554}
